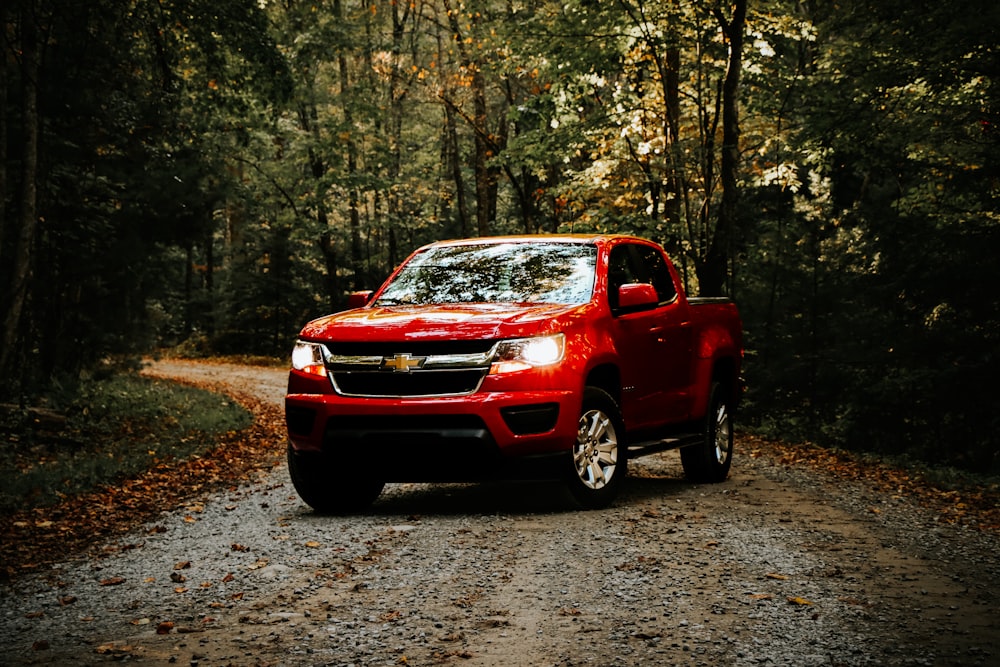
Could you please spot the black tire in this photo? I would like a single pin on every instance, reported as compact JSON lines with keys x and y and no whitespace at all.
{"x":327,"y":487}
{"x":598,"y":462}
{"x":710,"y":460}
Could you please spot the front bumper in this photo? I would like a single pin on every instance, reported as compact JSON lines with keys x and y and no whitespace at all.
{"x":489,"y":434}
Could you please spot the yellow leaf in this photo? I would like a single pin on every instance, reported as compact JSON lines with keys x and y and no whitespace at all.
{"x":312,"y":544}
{"x":799,"y":601}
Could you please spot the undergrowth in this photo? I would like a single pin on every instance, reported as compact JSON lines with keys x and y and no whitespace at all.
{"x":103,"y":430}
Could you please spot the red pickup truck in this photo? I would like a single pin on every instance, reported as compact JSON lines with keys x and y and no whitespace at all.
{"x":556,"y":357}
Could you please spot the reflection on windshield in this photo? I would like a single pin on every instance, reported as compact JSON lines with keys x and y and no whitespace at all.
{"x":497,"y":273}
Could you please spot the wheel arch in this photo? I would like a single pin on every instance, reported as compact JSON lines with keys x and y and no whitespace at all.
{"x":607,"y":377}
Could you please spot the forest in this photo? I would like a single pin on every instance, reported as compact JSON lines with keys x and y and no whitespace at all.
{"x":208,"y":176}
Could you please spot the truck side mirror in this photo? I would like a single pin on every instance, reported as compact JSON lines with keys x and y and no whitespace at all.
{"x":632,"y":296}
{"x":359,"y":299}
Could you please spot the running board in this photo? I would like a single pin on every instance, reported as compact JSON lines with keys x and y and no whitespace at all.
{"x":654,"y":446}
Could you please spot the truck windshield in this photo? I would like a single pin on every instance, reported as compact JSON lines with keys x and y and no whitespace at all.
{"x":496,"y":273}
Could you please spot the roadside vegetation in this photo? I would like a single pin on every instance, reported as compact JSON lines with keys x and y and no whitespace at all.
{"x":102,"y":430}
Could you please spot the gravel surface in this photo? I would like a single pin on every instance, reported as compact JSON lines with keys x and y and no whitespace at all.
{"x":777,"y":566}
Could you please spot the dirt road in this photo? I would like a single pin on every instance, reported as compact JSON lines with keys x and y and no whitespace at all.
{"x":776,"y":566}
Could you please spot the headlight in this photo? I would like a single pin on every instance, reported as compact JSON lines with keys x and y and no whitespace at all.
{"x":308,"y":358}
{"x":524,"y":353}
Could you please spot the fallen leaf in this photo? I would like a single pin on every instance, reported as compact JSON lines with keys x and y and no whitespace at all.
{"x":177,"y":578}
{"x":111,"y":649}
{"x":312,"y":544}
{"x":799,"y":601}
{"x":113,"y":581}
{"x":183,"y":565}
{"x":229,"y":577}
{"x":773,"y":575}
{"x":164,"y":628}
{"x":261,"y":562}
{"x":854,"y":601}
{"x":67,"y":599}
{"x":180,"y":589}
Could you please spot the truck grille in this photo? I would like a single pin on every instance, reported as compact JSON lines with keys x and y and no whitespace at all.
{"x":392,"y":370}
{"x":415,"y":383}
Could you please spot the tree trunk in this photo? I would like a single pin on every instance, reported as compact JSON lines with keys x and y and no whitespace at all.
{"x":397,"y":93}
{"x":23,"y":254}
{"x":4,"y":12}
{"x":486,"y":176}
{"x":353,"y":197}
{"x":713,"y":275}
{"x":328,"y":246}
{"x":450,"y":154}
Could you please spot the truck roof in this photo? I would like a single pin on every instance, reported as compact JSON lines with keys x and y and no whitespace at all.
{"x":535,"y":238}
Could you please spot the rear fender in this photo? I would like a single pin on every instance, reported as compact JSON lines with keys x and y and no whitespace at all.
{"x":715,"y":349}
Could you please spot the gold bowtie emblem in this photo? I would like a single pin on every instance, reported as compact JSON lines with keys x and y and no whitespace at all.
{"x":402,"y":362}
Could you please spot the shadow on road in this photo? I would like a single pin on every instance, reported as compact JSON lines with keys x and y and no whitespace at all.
{"x":515,"y":498}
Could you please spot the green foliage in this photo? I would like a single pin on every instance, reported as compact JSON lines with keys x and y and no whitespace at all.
{"x":104,"y":430}
{"x":892,"y":343}
{"x":216,"y":174}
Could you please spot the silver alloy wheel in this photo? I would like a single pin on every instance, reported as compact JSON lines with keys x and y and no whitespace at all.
{"x":722,"y":433}
{"x":596,"y":450}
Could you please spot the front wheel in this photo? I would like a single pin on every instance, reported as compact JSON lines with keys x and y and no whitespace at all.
{"x":330,"y":488}
{"x":710,"y":460}
{"x":599,"y":462}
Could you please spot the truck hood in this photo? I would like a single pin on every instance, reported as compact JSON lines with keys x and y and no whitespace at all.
{"x":439,"y":322}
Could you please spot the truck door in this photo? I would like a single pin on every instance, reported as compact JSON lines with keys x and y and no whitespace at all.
{"x":654,"y":343}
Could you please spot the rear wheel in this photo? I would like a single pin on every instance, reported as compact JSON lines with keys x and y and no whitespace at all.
{"x":599,"y":462}
{"x":329,"y":486}
{"x":710,"y":460}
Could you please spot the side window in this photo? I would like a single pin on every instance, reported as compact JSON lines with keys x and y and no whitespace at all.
{"x":634,"y":263}
{"x":653,"y":269}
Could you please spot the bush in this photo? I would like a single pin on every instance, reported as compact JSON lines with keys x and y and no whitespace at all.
{"x":103,"y":430}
